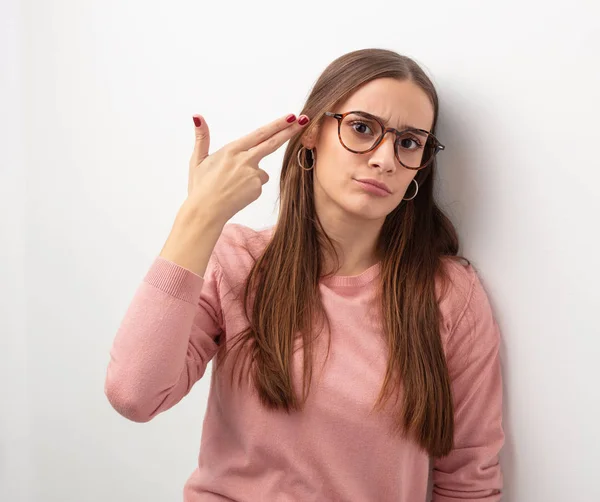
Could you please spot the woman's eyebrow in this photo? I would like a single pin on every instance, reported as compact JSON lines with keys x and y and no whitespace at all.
{"x":401,"y":127}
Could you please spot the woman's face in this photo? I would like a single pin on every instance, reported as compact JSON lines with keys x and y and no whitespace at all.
{"x":396,"y":103}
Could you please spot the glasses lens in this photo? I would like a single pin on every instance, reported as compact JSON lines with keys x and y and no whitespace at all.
{"x":415,"y":149}
{"x":359,"y":133}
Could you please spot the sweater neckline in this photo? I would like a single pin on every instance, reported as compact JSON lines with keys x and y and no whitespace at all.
{"x":353,"y":280}
{"x":347,"y":280}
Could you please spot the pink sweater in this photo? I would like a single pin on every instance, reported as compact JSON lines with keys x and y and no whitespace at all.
{"x":334,"y":450}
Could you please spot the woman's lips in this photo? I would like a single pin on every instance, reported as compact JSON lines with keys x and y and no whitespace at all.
{"x":372,"y":189}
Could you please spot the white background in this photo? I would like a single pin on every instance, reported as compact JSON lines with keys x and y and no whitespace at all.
{"x":96,"y":132}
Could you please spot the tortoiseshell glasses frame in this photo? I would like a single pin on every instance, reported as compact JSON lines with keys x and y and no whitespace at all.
{"x":436,"y":145}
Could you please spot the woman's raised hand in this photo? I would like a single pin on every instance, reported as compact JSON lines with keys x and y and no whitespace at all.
{"x":229,"y":179}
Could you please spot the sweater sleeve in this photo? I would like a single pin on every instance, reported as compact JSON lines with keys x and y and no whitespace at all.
{"x":167,"y":337}
{"x":472,"y":470}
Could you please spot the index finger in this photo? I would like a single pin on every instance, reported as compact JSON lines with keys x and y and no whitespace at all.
{"x":263,"y":133}
{"x":274,"y":142}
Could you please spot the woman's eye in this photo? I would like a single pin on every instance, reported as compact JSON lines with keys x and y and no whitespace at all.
{"x":416,"y":143}
{"x":360,"y":127}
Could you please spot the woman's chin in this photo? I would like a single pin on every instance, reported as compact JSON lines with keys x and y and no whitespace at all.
{"x":366,"y":208}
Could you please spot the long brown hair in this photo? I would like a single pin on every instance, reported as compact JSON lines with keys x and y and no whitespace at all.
{"x":281,"y":293}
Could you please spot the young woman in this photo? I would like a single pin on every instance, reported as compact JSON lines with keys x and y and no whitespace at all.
{"x":364,"y":345}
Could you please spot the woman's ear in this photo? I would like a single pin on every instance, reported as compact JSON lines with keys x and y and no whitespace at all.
{"x":309,"y":139}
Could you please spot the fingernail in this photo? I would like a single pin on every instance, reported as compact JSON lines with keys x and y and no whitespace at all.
{"x":303,"y":120}
{"x":197,"y":122}
{"x":290,"y":118}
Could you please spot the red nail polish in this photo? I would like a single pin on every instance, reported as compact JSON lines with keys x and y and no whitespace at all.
{"x":290,"y":118}
{"x":303,"y":120}
{"x":197,"y":122}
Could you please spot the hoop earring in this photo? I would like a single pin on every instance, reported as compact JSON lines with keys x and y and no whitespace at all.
{"x":312,"y":154}
{"x":416,"y":191}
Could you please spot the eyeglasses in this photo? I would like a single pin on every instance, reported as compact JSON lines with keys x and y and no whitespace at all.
{"x":361,"y":132}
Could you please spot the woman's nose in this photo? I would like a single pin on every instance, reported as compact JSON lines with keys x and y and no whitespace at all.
{"x":384,"y":157}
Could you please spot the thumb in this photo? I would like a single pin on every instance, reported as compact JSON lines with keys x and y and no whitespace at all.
{"x":202,"y":139}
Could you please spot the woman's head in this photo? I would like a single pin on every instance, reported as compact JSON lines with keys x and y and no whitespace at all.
{"x":399,"y":103}
{"x":281,"y":295}
{"x":388,"y":85}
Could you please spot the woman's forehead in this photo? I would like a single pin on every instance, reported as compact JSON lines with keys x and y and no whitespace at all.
{"x":398,"y":103}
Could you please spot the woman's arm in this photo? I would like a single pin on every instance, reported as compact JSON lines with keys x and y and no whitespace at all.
{"x":472,"y":470}
{"x":168,"y":334}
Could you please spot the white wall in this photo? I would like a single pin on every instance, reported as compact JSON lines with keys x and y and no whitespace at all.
{"x":94,"y":163}
{"x":15,"y":438}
